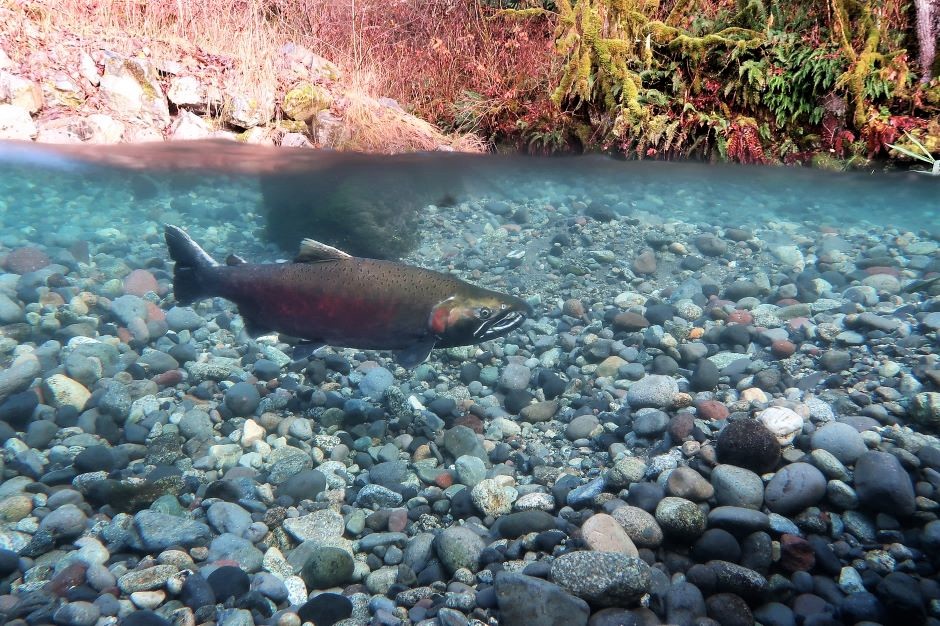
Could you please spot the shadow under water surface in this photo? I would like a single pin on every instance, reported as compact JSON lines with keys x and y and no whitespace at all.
{"x":368,"y":205}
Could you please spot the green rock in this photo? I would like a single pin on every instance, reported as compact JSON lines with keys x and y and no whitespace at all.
{"x":306,"y":100}
{"x":167,"y":504}
{"x":327,"y":567}
{"x":925,"y":409}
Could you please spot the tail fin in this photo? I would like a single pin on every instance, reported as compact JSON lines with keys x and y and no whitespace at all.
{"x":191,"y":263}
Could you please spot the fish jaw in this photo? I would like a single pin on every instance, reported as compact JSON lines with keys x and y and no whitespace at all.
{"x":473,"y":318}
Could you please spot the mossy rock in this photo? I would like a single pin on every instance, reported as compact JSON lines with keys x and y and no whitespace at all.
{"x":293,"y":126}
{"x":825,"y":161}
{"x":306,"y":100}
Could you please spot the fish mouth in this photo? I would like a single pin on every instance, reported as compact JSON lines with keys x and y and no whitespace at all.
{"x":499,"y":325}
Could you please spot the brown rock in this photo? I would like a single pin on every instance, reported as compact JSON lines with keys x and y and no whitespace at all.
{"x":629,"y":321}
{"x":712,"y":410}
{"x":603,"y":533}
{"x":645,"y":263}
{"x":25,"y":260}
{"x":539,"y":411}
{"x":573,"y":307}
{"x":609,"y":366}
{"x":685,"y":482}
{"x":139,"y":282}
{"x":681,"y":426}
{"x":796,"y":554}
{"x":471,"y":421}
{"x":782,"y":348}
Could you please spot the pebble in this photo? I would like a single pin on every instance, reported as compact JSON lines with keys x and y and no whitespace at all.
{"x":326,"y":609}
{"x":785,"y":424}
{"x":326,"y":567}
{"x":556,"y":607}
{"x":680,"y":518}
{"x":883,"y":485}
{"x":840,"y":440}
{"x":685,"y":482}
{"x":654,"y":390}
{"x":458,"y":547}
{"x":79,"y":613}
{"x":492,"y":498}
{"x":603,"y":533}
{"x":242,"y":399}
{"x":158,"y":531}
{"x":602,"y":578}
{"x":375,"y":382}
{"x":793,"y":488}
{"x":737,"y":486}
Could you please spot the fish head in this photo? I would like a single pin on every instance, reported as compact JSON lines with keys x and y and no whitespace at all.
{"x":481,"y":315}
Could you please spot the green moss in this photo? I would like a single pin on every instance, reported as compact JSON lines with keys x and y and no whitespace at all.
{"x":292,"y":126}
{"x":137,"y":71}
{"x":306,"y":100}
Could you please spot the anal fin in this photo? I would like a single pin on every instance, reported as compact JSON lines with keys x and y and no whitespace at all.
{"x":305,"y":349}
{"x":415,"y":354}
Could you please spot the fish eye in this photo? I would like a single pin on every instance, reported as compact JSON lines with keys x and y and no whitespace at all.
{"x":484,"y":313}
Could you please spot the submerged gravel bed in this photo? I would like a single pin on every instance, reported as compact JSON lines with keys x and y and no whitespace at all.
{"x":709,"y":420}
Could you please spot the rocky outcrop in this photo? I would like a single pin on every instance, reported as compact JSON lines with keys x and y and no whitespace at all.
{"x":73,"y":96}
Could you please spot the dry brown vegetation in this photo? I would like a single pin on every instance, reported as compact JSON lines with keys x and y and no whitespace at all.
{"x":446,"y":61}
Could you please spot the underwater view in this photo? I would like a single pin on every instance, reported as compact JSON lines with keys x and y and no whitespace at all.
{"x":251,"y":385}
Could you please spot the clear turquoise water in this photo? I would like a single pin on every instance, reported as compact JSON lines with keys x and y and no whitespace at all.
{"x":106,"y":186}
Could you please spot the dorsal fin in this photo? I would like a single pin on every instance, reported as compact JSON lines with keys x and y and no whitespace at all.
{"x":312,"y":251}
{"x":234,"y":259}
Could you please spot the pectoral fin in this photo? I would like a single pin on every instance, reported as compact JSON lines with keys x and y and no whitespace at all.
{"x":416,"y":354}
{"x":305,"y":349}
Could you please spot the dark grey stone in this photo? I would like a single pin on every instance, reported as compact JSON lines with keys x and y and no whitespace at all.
{"x":527,"y":601}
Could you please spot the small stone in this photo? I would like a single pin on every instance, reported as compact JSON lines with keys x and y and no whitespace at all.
{"x":710,"y":410}
{"x":685,"y":482}
{"x":710,"y":245}
{"x":327,"y":567}
{"x":654,"y":390}
{"x":67,"y":521}
{"x":737,"y":486}
{"x":630,"y":321}
{"x":680,"y":518}
{"x":63,"y":391}
{"x":796,"y":554}
{"x":146,"y":579}
{"x":627,"y":470}
{"x":79,"y":613}
{"x":139,"y":282}
{"x":158,"y":531}
{"x":602,"y":578}
{"x":795,"y":487}
{"x":784,"y":423}
{"x":515,"y":377}
{"x":242,"y":399}
{"x":645,"y":263}
{"x":326,"y":609}
{"x":925,"y":409}
{"x":603,"y":533}
{"x":883,"y":485}
{"x":539,"y":411}
{"x":459,"y":547}
{"x":375,"y":382}
{"x":581,"y":427}
{"x":492,"y":498}
{"x":841,"y":440}
{"x":555,"y":607}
